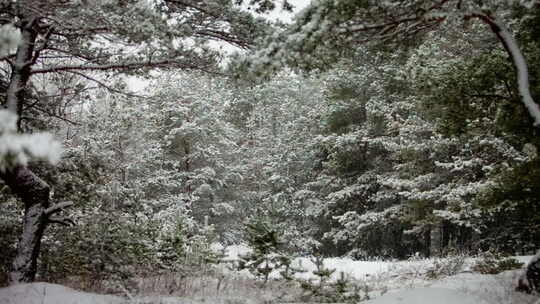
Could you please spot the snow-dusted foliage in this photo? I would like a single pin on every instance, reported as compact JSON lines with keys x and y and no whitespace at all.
{"x":277,"y":121}
{"x":19,"y":149}
{"x":195,"y":148}
{"x":156,"y":173}
{"x":400,"y":173}
{"x":98,"y":42}
{"x":9,"y":39}
{"x":416,"y":146}
{"x":326,"y":31}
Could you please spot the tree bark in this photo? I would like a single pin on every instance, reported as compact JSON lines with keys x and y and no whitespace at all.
{"x":427,"y":242}
{"x":34,"y":193}
{"x":446,"y":236}
{"x":512,"y":48}
{"x":32,"y":190}
{"x":21,"y":68}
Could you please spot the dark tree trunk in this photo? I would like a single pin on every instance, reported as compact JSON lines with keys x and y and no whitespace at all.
{"x":427,"y":242}
{"x":446,"y":231}
{"x":34,"y":193}
{"x":31,"y":189}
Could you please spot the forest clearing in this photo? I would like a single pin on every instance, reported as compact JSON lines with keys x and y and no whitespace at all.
{"x":454,"y":280}
{"x":270,"y":151}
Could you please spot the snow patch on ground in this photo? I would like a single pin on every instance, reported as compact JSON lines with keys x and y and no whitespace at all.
{"x":45,"y":293}
{"x":234,"y":252}
{"x":425,"y":295}
{"x":402,"y":282}
{"x":353,"y":269}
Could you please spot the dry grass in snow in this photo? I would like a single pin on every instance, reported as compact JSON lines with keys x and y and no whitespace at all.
{"x":417,"y":281}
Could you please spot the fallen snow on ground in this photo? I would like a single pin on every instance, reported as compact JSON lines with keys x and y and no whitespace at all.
{"x":405,"y":281}
{"x":391,"y":282}
{"x":462,"y":288}
{"x":351,"y":268}
{"x":45,"y":293}
{"x":425,"y":295}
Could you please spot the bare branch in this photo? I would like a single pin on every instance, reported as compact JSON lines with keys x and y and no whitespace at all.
{"x":8,"y":58}
{"x":113,"y":66}
{"x":65,"y":221}
{"x":223,"y":36}
{"x":44,"y":44}
{"x":102,"y":84}
{"x":50,"y":114}
{"x":72,"y":54}
{"x":57,"y":208}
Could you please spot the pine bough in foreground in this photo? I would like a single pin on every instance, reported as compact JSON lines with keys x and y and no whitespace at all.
{"x":529,"y":280}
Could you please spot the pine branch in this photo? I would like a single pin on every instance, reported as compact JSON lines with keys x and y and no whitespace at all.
{"x":61,"y":221}
{"x":57,"y":208}
{"x":113,"y":66}
{"x":107,"y":87}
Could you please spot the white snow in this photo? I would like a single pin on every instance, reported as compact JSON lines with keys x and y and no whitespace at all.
{"x":9,"y":39}
{"x":353,"y":269}
{"x":233,"y":252}
{"x":393,"y":282}
{"x":45,"y":293}
{"x":425,"y":295}
{"x":23,"y":147}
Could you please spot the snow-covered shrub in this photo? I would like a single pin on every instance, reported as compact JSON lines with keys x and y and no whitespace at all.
{"x":529,"y":278}
{"x":448,"y":266}
{"x":10,"y":229}
{"x":105,"y":251}
{"x":187,"y":247}
{"x":418,"y":269}
{"x":491,"y":262}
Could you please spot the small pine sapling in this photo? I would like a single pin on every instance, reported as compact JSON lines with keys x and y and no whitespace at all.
{"x":318,"y":288}
{"x":322,"y":272}
{"x":288,"y":271}
{"x":266,"y":255}
{"x":347,"y":291}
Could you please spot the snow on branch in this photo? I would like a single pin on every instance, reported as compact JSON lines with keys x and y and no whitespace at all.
{"x":512,"y":47}
{"x":97,"y":67}
{"x":19,"y":149}
{"x":58,"y":207}
{"x":9,"y":39}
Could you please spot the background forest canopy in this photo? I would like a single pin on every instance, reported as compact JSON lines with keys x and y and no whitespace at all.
{"x":343,"y":140}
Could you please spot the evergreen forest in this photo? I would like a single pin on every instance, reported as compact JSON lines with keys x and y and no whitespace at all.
{"x":136,"y":135}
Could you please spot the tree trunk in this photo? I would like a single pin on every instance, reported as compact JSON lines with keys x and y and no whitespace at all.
{"x":445,"y":237}
{"x":34,"y":193}
{"x":32,"y":190}
{"x":427,"y":242}
{"x":512,"y":48}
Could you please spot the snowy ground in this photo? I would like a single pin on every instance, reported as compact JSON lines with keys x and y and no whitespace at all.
{"x":44,"y":293}
{"x":392,"y":282}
